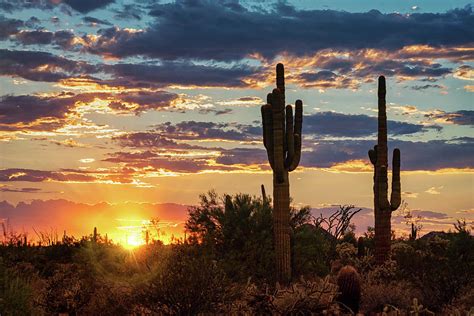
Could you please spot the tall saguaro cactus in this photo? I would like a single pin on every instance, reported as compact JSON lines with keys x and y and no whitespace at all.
{"x":282,"y":139}
{"x":383,"y":208}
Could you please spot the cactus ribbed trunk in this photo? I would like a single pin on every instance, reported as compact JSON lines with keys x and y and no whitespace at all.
{"x":281,"y":229}
{"x":383,"y":208}
{"x":383,"y":233}
{"x":282,"y":139}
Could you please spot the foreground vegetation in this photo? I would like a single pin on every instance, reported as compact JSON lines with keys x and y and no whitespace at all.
{"x":227,"y":265}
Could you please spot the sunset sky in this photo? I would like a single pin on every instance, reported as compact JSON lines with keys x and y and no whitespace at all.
{"x":109,"y":109}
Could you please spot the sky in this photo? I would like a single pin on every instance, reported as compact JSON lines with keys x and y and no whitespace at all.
{"x":113,"y":112}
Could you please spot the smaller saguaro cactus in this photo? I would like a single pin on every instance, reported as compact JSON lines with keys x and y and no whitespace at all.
{"x":378,"y":156}
{"x":264,"y":194}
{"x":94,"y":237}
{"x":361,"y":247}
{"x":348,"y":281}
{"x":147,"y":236}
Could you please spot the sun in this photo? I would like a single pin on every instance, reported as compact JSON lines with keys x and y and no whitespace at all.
{"x":133,"y":240}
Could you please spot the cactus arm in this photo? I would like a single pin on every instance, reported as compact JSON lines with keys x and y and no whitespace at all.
{"x":373,"y":155}
{"x":395,"y":198}
{"x":297,"y":135}
{"x":290,"y":137}
{"x":264,"y":127}
{"x":268,"y":131}
{"x":278,"y":135}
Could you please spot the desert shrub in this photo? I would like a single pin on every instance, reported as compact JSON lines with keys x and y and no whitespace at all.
{"x":237,"y":231}
{"x":310,"y":251}
{"x":439,"y":267}
{"x":68,"y":290}
{"x":16,"y":295}
{"x":188,"y":283}
{"x":110,"y":299}
{"x":377,"y":295}
{"x":303,"y":297}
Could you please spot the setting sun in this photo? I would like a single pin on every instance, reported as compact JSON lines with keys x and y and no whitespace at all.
{"x":133,"y":240}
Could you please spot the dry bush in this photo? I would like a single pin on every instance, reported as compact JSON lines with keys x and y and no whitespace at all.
{"x":305,"y":297}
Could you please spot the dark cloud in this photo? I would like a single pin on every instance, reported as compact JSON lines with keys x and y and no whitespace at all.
{"x":30,"y":175}
{"x":129,"y":12}
{"x":92,"y":20}
{"x":146,"y":100}
{"x":402,"y":68}
{"x":192,"y":130}
{"x":21,"y":190}
{"x":244,"y":156}
{"x":124,"y":176}
{"x":180,"y":73}
{"x":8,"y":27}
{"x":149,"y":140}
{"x":10,"y":6}
{"x":430,"y":155}
{"x":220,"y":31}
{"x":43,"y":66}
{"x":332,"y":71}
{"x":16,"y":112}
{"x":462,"y":117}
{"x":171,"y":136}
{"x":39,"y":66}
{"x":357,"y":125}
{"x":426,"y":86}
{"x":85,"y":6}
{"x":62,"y":39}
{"x":215,"y":111}
{"x":28,"y":108}
{"x":151,"y":161}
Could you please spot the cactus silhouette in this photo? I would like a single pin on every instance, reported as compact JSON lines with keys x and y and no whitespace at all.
{"x":348,"y":281}
{"x":383,"y":208}
{"x":94,"y":236}
{"x":282,"y":139}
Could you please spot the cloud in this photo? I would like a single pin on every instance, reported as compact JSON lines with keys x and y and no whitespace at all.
{"x":95,"y":21}
{"x":192,"y":130}
{"x":427,"y":86}
{"x":8,"y":27}
{"x":181,"y":74}
{"x":353,"y":125}
{"x":151,"y":162}
{"x":22,"y":190}
{"x":469,"y":88}
{"x":464,"y":72}
{"x":62,"y":39}
{"x":129,"y":12}
{"x":30,"y":175}
{"x":27,"y":108}
{"x":8,"y":6}
{"x":462,"y":117}
{"x":85,"y":6}
{"x":245,"y":156}
{"x":149,"y":140}
{"x":39,"y":66}
{"x":228,"y":31}
{"x":434,"y":190}
{"x":53,"y":111}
